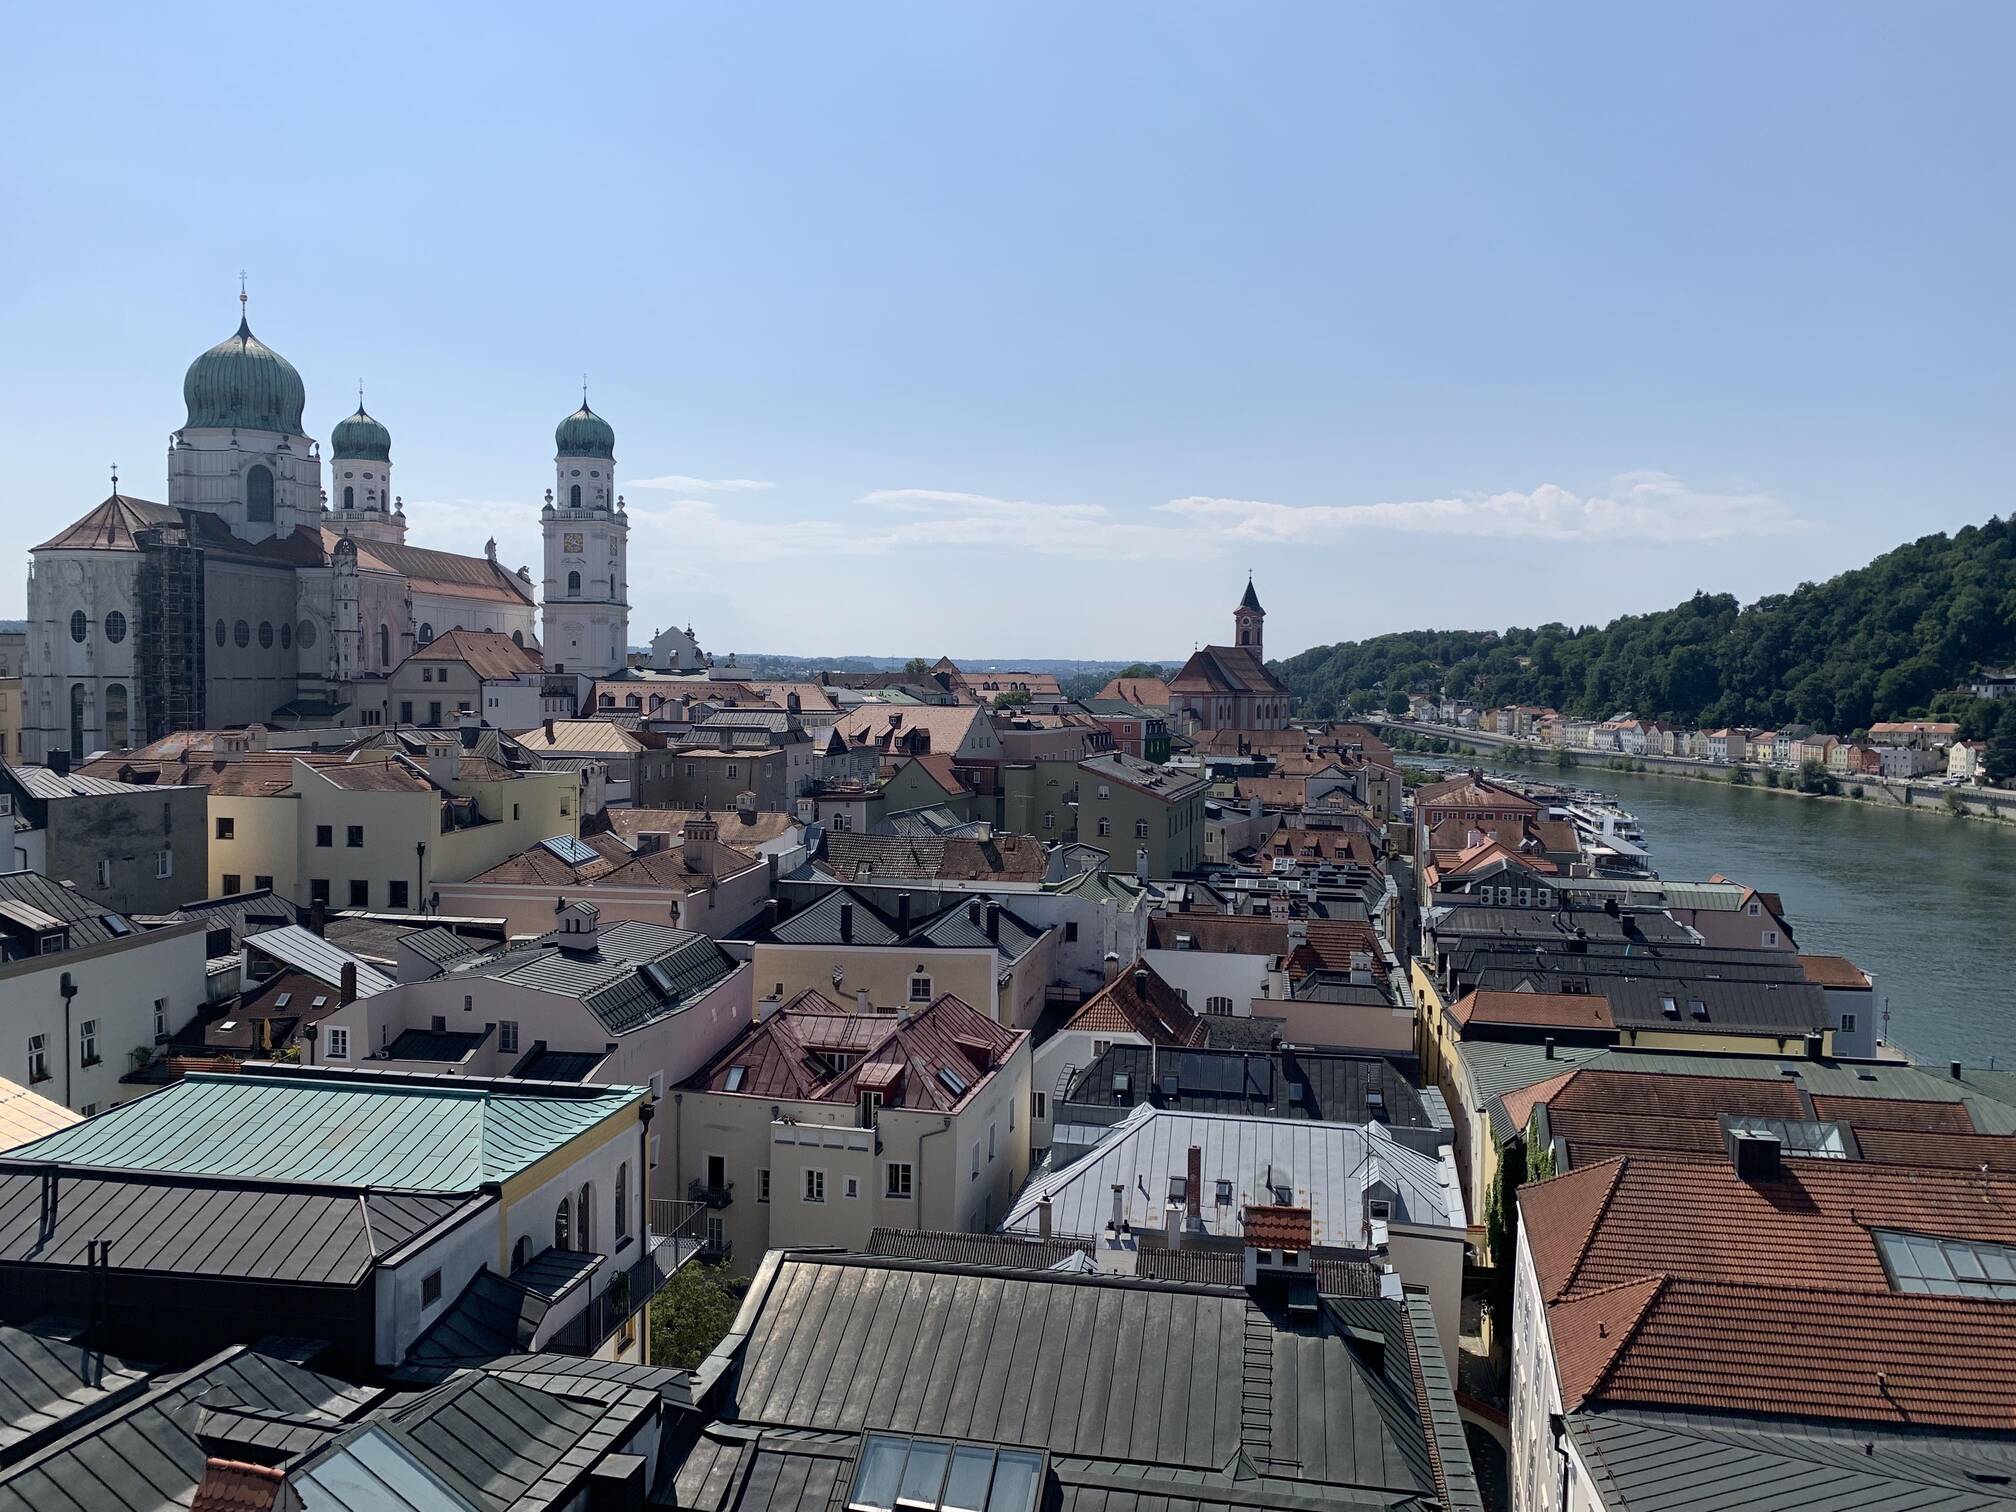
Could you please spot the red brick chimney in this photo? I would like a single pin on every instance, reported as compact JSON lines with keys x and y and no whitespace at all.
{"x":346,"y":991}
{"x":1193,"y":1186}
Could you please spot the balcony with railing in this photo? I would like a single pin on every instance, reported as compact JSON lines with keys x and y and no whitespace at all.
{"x":675,"y":1236}
{"x":697,"y":1190}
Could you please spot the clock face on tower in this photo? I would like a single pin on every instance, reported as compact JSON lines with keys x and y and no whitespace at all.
{"x":571,"y":543}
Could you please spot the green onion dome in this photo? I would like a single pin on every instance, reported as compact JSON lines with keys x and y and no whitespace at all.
{"x":585,"y":434}
{"x":243,"y":383}
{"x":361,"y":437}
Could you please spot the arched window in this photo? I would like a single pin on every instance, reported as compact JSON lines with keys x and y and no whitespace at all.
{"x":518,"y":638}
{"x":584,"y":1216}
{"x":76,"y":719}
{"x":349,"y":497}
{"x":426,"y":631}
{"x":561,"y":1237}
{"x":115,"y":715}
{"x":573,"y":590}
{"x":259,"y":495}
{"x":622,"y":1202}
{"x":521,"y":1252}
{"x":384,"y":645}
{"x":574,"y":497}
{"x":81,"y":627}
{"x":115,"y":627}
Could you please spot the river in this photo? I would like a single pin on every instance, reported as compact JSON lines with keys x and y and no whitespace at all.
{"x":1925,"y":903}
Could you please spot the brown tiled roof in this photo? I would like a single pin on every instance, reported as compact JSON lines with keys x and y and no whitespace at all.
{"x":1560,"y":1010}
{"x":938,"y":767}
{"x":1274,"y":792}
{"x":1588,"y":1330}
{"x":615,"y":865}
{"x":1332,"y":942}
{"x":1832,"y":971}
{"x":999,"y":858}
{"x":1653,"y":1093}
{"x":255,"y":774}
{"x":1225,"y":669}
{"x":111,"y":526}
{"x":946,"y":727}
{"x":442,"y":572}
{"x":1159,"y":1014}
{"x":1147,"y":692}
{"x":1220,"y":933}
{"x":394,"y":776}
{"x":492,"y":657}
{"x":1272,"y":1227}
{"x":1321,"y":844}
{"x":580,"y":737}
{"x":1896,"y":1113}
{"x":237,"y":1486}
{"x":780,"y":1057}
{"x":1470,"y":792}
{"x":1957,"y":1152}
{"x":737,"y":829}
{"x":1520,"y":1102}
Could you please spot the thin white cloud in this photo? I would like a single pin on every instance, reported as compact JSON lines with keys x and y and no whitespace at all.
{"x":1649,"y":507}
{"x":945,"y":518}
{"x":680,"y":483}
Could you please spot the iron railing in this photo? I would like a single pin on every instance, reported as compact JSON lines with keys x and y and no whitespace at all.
{"x":699,"y":1191}
{"x":673,"y":1238}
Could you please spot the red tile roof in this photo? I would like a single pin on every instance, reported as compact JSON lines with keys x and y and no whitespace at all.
{"x":237,"y":1486}
{"x":1225,"y":669}
{"x":1158,"y":1014}
{"x":1833,"y":971}
{"x":1555,"y":1010}
{"x":1147,"y":692}
{"x":1896,"y":1113}
{"x":1219,"y":932}
{"x":1958,"y":1152}
{"x":492,"y":657}
{"x":1271,"y":1227}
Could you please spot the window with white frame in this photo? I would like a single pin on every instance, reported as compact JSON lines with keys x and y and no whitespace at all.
{"x":1219,"y":1005}
{"x":850,"y":1188}
{"x":160,"y":1020}
{"x":815,"y":1186}
{"x":1847,"y":1023}
{"x":164,"y":863}
{"x":105,"y":873}
{"x":38,"y":1058}
{"x":87,"y":1043}
{"x":338,"y":1042}
{"x":507,"y":1035}
{"x":1039,"y":1106}
{"x":920,"y":989}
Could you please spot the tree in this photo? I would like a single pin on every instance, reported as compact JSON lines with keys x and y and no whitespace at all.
{"x":694,"y":1313}
{"x":2002,"y":748}
{"x":917,"y":666}
{"x":1014,"y":698}
{"x":1142,"y":669}
{"x":1815,"y":778}
{"x":1396,"y":705}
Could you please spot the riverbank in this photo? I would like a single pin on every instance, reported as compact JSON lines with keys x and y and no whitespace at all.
{"x":1994,"y":806}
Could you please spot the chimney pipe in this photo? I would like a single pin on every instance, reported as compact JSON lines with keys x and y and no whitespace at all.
{"x":993,"y":920}
{"x":1119,"y":1204}
{"x":1172,"y":1224}
{"x":1550,"y":1046}
{"x":346,"y":990}
{"x":59,"y":763}
{"x":903,"y":913}
{"x":1043,"y":1218}
{"x":1954,"y":1070}
{"x":861,"y":1003}
{"x":973,"y":913}
{"x":1112,"y":966}
{"x":549,"y":730}
{"x":1141,"y":981}
{"x":318,"y":917}
{"x":1194,"y":1185}
{"x":846,"y":923}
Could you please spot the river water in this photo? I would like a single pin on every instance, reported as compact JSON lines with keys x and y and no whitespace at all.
{"x":1926,"y":903}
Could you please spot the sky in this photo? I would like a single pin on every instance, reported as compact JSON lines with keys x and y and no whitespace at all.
{"x":1029,"y":330}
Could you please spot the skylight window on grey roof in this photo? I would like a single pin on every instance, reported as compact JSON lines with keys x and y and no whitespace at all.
{"x":1810,"y":1138}
{"x":574,"y":852}
{"x":1927,"y":1265}
{"x":954,"y":1082}
{"x":939,"y":1475}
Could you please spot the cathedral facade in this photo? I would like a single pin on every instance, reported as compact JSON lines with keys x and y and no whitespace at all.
{"x":264,"y":592}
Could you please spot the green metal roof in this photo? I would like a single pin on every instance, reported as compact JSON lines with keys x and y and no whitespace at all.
{"x":362,"y":1132}
{"x":361,"y":436}
{"x":585,"y":434}
{"x":242,"y":383}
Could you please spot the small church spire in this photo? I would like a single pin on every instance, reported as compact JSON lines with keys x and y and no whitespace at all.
{"x":115,"y":480}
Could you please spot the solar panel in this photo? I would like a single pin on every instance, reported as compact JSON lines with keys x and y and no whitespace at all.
{"x":574,"y":852}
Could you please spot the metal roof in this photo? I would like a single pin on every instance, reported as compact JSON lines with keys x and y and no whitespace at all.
{"x":90,"y":922}
{"x":146,"y":1456}
{"x":41,"y":782}
{"x":448,"y":1135}
{"x":46,"y":1380}
{"x":1326,"y":1168}
{"x":1655,"y":1461}
{"x":1335,"y":1088}
{"x":307,"y":951}
{"x":195,"y":1226}
{"x":611,"y":980}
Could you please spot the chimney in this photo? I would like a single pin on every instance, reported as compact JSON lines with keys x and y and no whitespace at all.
{"x":846,"y":923}
{"x":1953,"y":1070}
{"x":1141,"y":982}
{"x":861,"y":1003}
{"x":973,"y":913}
{"x":1043,"y":1218}
{"x":469,"y":726}
{"x":993,"y":920}
{"x":1754,"y":1154}
{"x":1550,"y":1046}
{"x":903,"y":913}
{"x":1141,"y":863}
{"x":346,"y":990}
{"x":1172,"y":1225}
{"x":59,"y":763}
{"x":444,"y":766}
{"x":1194,"y":1186}
{"x":699,"y":840}
{"x":1119,"y":1206}
{"x":1815,"y":1044}
{"x":549,"y":729}
{"x":318,"y":917}
{"x":1112,"y":966}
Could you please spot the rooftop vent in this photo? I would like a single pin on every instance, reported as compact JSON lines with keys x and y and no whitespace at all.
{"x":1754,"y":1153}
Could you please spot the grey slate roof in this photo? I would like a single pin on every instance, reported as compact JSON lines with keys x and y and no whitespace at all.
{"x":440,"y":945}
{"x":951,"y":928}
{"x":144,"y":1456}
{"x":610,"y":980}
{"x":1674,"y":1462}
{"x":45,"y":1381}
{"x":1287,"y":1083}
{"x":307,"y":951}
{"x":435,"y":1044}
{"x":202,"y":1226}
{"x":1175,"y":1386}
{"x":1337,"y":1278}
{"x":91,"y":922}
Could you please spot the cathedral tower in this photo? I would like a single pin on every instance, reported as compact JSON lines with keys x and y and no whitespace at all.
{"x":586,"y":623}
{"x":1249,"y":621}
{"x":241,"y":452}
{"x":360,"y":481}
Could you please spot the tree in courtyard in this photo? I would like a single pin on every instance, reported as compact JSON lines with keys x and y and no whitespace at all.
{"x":694,"y":1313}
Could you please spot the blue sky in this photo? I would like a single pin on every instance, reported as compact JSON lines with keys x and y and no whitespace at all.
{"x":1027,"y":330}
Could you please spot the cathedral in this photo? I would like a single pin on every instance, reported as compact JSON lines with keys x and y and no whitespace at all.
{"x":261,"y":593}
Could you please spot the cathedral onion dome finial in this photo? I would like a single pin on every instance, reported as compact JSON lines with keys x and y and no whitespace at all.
{"x":361,"y":437}
{"x":242,"y":383}
{"x":585,"y":434}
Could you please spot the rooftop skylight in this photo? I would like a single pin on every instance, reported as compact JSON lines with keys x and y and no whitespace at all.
{"x":1927,"y":1265}
{"x":937,"y":1475}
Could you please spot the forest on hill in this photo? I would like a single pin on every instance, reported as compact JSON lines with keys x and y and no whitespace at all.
{"x":1891,"y":640}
